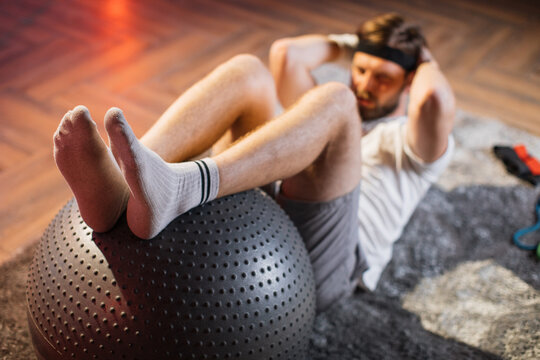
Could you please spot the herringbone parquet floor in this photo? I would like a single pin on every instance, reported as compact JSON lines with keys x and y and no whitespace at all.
{"x":140,"y":55}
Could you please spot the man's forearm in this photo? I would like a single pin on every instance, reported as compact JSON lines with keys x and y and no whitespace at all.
{"x":308,"y":51}
{"x":431,"y":112}
{"x":292,"y":59}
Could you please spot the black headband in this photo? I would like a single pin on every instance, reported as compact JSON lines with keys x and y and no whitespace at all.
{"x":406,"y":61}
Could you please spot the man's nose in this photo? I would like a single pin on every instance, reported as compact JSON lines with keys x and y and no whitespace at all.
{"x":366,"y":82}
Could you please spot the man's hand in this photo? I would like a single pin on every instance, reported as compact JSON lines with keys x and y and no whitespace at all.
{"x":425,"y":56}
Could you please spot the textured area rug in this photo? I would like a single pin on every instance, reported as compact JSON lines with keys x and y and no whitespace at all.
{"x":456,"y":288}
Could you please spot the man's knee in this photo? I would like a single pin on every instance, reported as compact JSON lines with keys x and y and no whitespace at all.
{"x":247,"y":61}
{"x":340,"y":94}
{"x":251,"y":70}
{"x":342,"y":101}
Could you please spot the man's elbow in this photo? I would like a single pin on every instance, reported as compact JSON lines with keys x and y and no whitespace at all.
{"x":281,"y":54}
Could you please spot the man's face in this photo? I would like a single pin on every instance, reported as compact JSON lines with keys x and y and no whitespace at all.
{"x":377,"y":83}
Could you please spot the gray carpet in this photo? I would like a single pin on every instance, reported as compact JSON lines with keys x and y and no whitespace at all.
{"x":456,"y":288}
{"x":449,"y":229}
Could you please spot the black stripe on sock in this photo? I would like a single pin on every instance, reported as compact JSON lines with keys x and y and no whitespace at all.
{"x":202,"y":181}
{"x":208,"y":182}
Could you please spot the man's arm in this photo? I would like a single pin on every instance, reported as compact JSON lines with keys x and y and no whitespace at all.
{"x":431,"y":111}
{"x":292,"y":59}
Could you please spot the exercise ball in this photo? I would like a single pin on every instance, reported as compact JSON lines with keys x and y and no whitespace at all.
{"x":230,"y":279}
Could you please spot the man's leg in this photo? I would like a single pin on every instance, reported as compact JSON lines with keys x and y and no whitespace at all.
{"x":234,"y":99}
{"x":315,"y":146}
{"x":237,"y":97}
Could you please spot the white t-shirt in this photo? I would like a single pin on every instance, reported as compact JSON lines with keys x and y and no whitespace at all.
{"x":394,"y":180}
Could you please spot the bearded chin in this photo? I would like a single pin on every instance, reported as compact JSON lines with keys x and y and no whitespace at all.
{"x":378,"y":112}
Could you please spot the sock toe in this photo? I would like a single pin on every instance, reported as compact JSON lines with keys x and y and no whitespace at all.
{"x":120,"y":133}
{"x":125,"y":147}
{"x":80,"y":117}
{"x":80,"y":111}
{"x":114,"y":113}
{"x":115,"y":123}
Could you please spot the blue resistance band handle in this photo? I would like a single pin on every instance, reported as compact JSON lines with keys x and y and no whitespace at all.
{"x":527,"y":230}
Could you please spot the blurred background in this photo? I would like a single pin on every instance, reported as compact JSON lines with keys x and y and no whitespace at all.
{"x":140,"y":55}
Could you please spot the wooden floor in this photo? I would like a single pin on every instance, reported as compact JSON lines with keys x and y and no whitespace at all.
{"x":140,"y":55}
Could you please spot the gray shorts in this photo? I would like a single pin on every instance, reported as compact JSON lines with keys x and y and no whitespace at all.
{"x":330,"y":232}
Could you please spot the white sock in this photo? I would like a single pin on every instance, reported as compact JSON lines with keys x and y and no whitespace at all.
{"x":160,"y":191}
{"x":176,"y":188}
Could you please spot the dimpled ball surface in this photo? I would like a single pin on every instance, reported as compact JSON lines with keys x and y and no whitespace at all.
{"x":228,"y":280}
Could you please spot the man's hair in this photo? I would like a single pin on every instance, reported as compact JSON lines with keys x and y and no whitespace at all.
{"x":392,"y":30}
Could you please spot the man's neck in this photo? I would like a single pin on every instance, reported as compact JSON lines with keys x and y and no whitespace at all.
{"x":400,"y":110}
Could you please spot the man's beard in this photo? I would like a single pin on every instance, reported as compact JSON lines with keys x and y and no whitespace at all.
{"x":380,"y":110}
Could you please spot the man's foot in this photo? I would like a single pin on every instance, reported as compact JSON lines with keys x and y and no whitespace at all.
{"x":89,"y":169}
{"x":160,"y":191}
